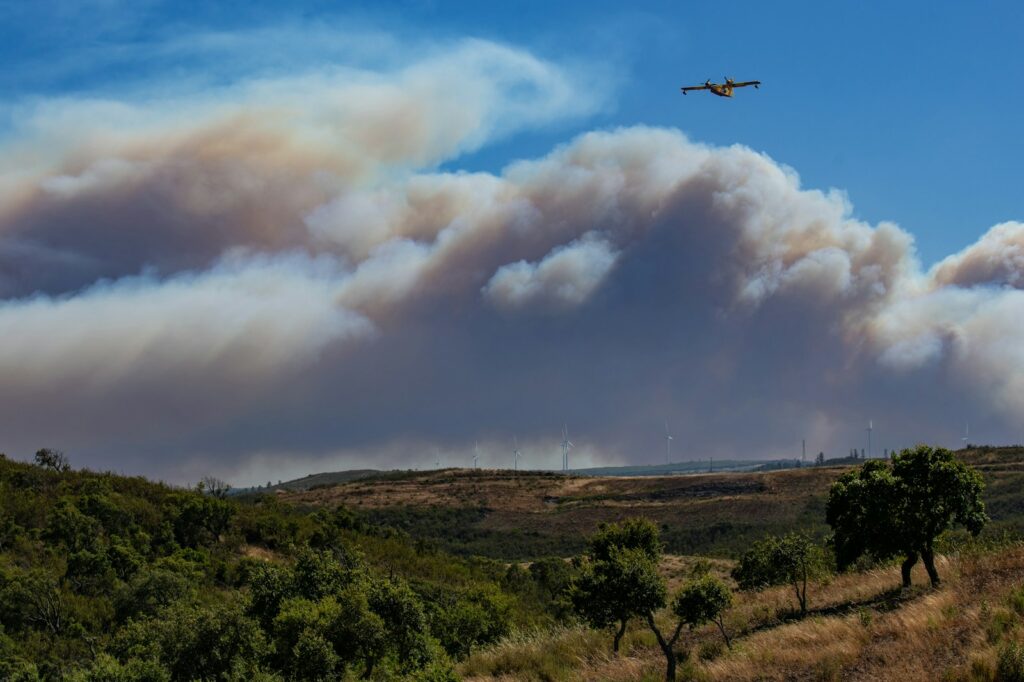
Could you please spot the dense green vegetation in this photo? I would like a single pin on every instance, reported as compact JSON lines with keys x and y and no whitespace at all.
{"x":104,"y":577}
{"x":109,"y":578}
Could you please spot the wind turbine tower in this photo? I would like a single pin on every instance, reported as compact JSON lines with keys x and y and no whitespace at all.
{"x":871,"y":427}
{"x":967,"y":434}
{"x":566,"y":445}
{"x":515,"y":453}
{"x":476,"y":455}
{"x":668,"y":444}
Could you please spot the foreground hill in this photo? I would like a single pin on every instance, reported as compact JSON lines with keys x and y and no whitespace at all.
{"x":105,"y":578}
{"x":524,"y":515}
{"x":860,"y":627}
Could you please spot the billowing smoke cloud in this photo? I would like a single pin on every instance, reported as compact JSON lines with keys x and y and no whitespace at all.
{"x":277,"y":278}
{"x":996,"y":259}
{"x":566,"y":276}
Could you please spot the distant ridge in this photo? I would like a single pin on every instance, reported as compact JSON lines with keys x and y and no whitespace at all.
{"x":329,"y":478}
{"x":311,"y":481}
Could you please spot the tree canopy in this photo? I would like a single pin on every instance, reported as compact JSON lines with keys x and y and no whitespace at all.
{"x":900,"y":508}
{"x":619,"y":578}
{"x":793,"y":559}
{"x":620,"y":581}
{"x":109,"y":578}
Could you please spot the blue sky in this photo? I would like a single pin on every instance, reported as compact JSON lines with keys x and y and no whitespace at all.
{"x":913,"y":108}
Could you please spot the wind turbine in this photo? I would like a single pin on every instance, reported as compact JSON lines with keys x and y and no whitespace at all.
{"x":476,"y":456}
{"x":515,"y":453}
{"x":566,"y":445}
{"x":668,"y":443}
{"x":967,"y":434}
{"x":870,"y":428}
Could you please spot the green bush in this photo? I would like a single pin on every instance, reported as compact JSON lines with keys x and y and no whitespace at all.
{"x":793,"y":559}
{"x":1010,"y":663}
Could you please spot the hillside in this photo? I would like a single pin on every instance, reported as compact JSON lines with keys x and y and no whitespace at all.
{"x":513,"y":516}
{"x":329,"y":478}
{"x":861,"y":627}
{"x":105,"y":578}
{"x":502,"y":515}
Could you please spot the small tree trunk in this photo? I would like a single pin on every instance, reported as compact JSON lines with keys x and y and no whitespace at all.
{"x":906,"y":567}
{"x":618,"y":637}
{"x":667,"y":647}
{"x":803,"y":590}
{"x":725,"y":635}
{"x":929,"y":565}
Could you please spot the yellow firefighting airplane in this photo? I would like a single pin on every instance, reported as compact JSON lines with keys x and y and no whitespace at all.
{"x":721,"y":89}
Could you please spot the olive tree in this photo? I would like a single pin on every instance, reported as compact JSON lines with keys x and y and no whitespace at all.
{"x":900,"y":508}
{"x":619,"y":579}
{"x":793,"y":559}
{"x":703,"y":600}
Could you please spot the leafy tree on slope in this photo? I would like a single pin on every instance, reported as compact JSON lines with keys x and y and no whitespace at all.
{"x":901,"y":508}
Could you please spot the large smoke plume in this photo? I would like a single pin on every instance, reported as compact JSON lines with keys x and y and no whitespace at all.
{"x":276,"y":278}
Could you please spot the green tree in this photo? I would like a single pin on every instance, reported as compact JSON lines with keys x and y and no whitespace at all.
{"x":194,"y":642}
{"x":14,"y":668}
{"x":699,"y":601}
{"x":34,"y":600}
{"x":300,"y":631}
{"x":75,"y":530}
{"x":703,"y":600}
{"x":55,"y":460}
{"x":150,"y":590}
{"x":900,"y":508}
{"x":200,"y":520}
{"x":619,"y":578}
{"x":405,"y":623}
{"x":793,"y":559}
{"x":9,"y":530}
{"x":106,"y":668}
{"x":461,"y":620}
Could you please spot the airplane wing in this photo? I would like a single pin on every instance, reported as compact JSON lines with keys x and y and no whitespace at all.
{"x":694,"y":87}
{"x":745,"y":83}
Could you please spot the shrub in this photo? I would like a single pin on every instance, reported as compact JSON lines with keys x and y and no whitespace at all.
{"x":793,"y":559}
{"x":1010,"y":663}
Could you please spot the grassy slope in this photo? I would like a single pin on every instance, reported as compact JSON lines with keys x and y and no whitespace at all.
{"x":515,"y":517}
{"x":860,"y":628}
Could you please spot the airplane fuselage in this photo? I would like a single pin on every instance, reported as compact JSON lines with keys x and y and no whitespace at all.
{"x":725,"y":89}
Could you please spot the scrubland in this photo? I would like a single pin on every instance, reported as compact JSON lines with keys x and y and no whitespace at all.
{"x":861,"y":626}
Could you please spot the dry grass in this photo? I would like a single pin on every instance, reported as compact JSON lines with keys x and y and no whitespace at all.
{"x":575,"y":653}
{"x":559,"y":510}
{"x":860,"y":628}
{"x":261,"y":553}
